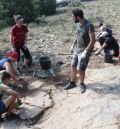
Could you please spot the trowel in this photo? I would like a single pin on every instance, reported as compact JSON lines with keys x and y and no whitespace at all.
{"x":52,"y":72}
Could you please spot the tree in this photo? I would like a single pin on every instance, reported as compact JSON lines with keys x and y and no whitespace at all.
{"x":29,"y":9}
{"x":15,"y":7}
{"x":44,"y":7}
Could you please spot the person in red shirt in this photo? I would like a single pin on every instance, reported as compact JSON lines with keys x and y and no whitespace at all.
{"x":18,"y":39}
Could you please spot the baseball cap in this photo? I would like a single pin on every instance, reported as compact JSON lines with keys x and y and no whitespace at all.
{"x":19,"y":18}
{"x":104,"y":34}
{"x":13,"y":54}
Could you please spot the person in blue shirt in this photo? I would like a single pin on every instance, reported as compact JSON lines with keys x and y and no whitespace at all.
{"x":9,"y":104}
{"x":7,"y":64}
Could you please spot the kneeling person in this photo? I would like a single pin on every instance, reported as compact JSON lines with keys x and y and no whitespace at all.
{"x":108,"y":43}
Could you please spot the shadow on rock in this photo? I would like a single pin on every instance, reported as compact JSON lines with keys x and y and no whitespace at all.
{"x":104,"y":89}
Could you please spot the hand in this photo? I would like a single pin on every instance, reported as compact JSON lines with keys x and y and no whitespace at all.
{"x":25,"y":46}
{"x":14,"y":93}
{"x":71,"y":49}
{"x":17,"y":95}
{"x":83,"y":56}
{"x":13,"y":49}
{"x":97,"y":53}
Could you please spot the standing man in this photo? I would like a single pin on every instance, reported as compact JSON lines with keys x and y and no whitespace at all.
{"x":83,"y":44}
{"x":18,"y":39}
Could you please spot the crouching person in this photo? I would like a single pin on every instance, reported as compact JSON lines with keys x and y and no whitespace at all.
{"x":108,"y":43}
{"x":8,"y":104}
{"x":6,"y":64}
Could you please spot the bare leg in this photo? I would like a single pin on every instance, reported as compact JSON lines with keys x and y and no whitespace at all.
{"x":82,"y":76}
{"x":26,"y":62}
{"x":10,"y":70}
{"x":10,"y":103}
{"x":73,"y":73}
{"x":72,"y":84}
{"x":17,"y":64}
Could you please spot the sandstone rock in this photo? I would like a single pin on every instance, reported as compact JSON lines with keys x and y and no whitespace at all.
{"x":35,"y":85}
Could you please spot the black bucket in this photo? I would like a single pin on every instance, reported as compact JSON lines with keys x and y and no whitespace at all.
{"x":45,"y":62}
{"x":108,"y":58}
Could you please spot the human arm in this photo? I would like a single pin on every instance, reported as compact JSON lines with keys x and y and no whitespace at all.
{"x":11,"y":40}
{"x":103,"y":45}
{"x":25,"y":44}
{"x":26,"y":37}
{"x":91,"y":42}
{"x":73,"y":45}
{"x":6,"y":89}
{"x":102,"y":48}
{"x":9,"y":68}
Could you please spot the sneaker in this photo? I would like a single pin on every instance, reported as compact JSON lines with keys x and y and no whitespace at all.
{"x":2,"y":119}
{"x":70,"y":85}
{"x":24,"y":69}
{"x":19,"y":102}
{"x":82,"y":88}
{"x":12,"y":116}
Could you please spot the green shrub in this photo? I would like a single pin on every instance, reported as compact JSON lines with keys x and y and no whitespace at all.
{"x":29,"y":9}
{"x":2,"y":24}
{"x":32,"y":25}
{"x":41,"y":19}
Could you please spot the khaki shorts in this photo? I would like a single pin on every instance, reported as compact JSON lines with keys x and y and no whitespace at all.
{"x":81,"y":64}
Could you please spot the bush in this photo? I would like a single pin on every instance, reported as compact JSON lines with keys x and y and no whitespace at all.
{"x":41,"y":19}
{"x":11,"y":8}
{"x":3,"y":24}
{"x":29,"y":9}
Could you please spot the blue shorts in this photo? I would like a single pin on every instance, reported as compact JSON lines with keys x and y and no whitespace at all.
{"x":3,"y":109}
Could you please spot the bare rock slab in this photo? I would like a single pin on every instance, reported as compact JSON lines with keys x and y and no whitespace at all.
{"x":35,"y":85}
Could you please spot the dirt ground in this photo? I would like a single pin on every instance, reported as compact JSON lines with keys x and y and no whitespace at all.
{"x":53,"y":37}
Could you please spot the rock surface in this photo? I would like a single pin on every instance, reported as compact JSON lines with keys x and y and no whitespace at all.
{"x":99,"y":107}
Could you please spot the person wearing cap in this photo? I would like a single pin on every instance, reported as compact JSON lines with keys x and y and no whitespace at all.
{"x":108,"y":43}
{"x":82,"y":46}
{"x":6,"y":65}
{"x":18,"y":39}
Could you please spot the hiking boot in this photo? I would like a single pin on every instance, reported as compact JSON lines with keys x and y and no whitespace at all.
{"x":82,"y":88}
{"x":70,"y":85}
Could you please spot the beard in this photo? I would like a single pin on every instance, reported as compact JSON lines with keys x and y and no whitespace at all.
{"x":76,"y":20}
